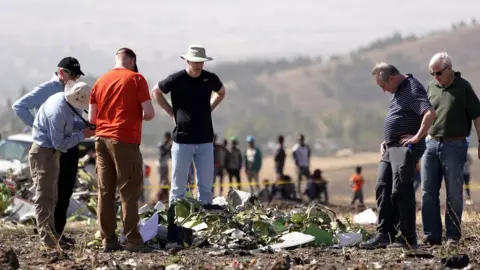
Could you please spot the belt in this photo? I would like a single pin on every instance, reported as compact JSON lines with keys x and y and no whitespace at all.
{"x":394,"y":144}
{"x":447,"y":139}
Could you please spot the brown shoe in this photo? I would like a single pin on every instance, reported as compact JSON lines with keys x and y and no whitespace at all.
{"x":48,"y":246}
{"x":111,"y":244}
{"x":134,"y":247}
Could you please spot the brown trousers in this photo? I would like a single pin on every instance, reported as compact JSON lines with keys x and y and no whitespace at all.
{"x":45,"y":168}
{"x":119,"y":164}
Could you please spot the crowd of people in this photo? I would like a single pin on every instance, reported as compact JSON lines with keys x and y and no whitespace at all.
{"x":230,"y":161}
{"x":428,"y":126}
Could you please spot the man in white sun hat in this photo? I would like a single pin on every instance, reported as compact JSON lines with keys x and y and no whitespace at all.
{"x":54,"y":133}
{"x":192,"y":105}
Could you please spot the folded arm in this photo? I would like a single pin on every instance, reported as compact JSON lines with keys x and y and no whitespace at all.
{"x":217,"y":98}
{"x":148,"y":111}
{"x":31,"y":100}
{"x":160,"y":98}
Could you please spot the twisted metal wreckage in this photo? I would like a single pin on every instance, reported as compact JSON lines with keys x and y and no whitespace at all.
{"x":239,"y":221}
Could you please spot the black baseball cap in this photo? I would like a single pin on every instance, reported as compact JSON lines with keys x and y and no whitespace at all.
{"x":130,"y":53}
{"x":71,"y":64}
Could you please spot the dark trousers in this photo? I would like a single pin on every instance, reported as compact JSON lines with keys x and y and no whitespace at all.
{"x":395,"y":193}
{"x":357,"y":195}
{"x":234,"y":173}
{"x":466,"y":182}
{"x":218,"y":173}
{"x":302,"y":171}
{"x":66,"y":182}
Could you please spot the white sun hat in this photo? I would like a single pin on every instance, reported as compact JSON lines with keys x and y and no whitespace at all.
{"x":78,"y":94}
{"x":196,"y":53}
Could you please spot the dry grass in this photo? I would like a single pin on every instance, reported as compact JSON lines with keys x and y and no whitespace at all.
{"x":25,"y":244}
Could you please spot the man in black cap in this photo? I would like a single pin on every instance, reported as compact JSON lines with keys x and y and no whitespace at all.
{"x":68,"y":70}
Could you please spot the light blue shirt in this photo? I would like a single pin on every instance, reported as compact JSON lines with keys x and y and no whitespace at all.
{"x":54,"y":123}
{"x":35,"y":98}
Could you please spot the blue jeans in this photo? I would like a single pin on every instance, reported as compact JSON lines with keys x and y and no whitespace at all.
{"x":442,"y":160}
{"x":202,"y":155}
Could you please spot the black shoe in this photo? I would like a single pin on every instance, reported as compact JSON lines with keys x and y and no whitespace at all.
{"x":66,"y":243}
{"x":67,"y":240}
{"x":378,"y":241}
{"x":431,"y":244}
{"x":451,"y":242}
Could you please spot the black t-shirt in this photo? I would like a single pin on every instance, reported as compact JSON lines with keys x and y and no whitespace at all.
{"x":191,"y":105}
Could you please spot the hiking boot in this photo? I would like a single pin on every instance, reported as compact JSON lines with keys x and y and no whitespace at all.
{"x":404,"y":243}
{"x":378,"y":241}
{"x":431,"y":244}
{"x":451,"y":242}
{"x":68,"y":240}
{"x":134,"y":247}
{"x":66,"y":243}
{"x":48,"y":246}
{"x":111,"y":244}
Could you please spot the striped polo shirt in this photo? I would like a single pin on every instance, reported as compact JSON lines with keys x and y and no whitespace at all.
{"x":406,"y":110}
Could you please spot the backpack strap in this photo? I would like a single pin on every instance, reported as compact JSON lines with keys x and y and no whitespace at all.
{"x":88,"y":124}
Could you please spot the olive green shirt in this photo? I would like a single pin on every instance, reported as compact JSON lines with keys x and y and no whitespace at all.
{"x":456,"y":106}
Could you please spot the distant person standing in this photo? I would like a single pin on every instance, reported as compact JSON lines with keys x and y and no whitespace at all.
{"x":119,"y":103}
{"x":357,"y":182}
{"x":466,"y":176}
{"x":234,"y":164}
{"x":409,"y":117}
{"x":456,"y":105}
{"x":68,"y":70}
{"x":279,"y":157}
{"x":466,"y":179}
{"x":192,"y":105}
{"x":317,"y":187}
{"x":164,"y":154}
{"x":220,"y":153}
{"x":301,"y":154}
{"x":253,"y":163}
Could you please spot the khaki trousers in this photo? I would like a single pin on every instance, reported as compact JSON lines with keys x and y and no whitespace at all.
{"x":119,"y":164}
{"x":45,"y":168}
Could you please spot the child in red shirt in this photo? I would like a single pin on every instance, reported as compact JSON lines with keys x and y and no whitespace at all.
{"x":357,"y":184}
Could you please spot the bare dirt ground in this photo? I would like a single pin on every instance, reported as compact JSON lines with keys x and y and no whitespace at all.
{"x":23,"y":242}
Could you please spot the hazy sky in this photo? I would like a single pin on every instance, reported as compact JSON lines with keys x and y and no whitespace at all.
{"x":229,"y":29}
{"x":36,"y":34}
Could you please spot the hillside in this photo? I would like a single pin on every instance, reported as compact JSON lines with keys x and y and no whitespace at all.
{"x":342,"y":89}
{"x":334,"y":101}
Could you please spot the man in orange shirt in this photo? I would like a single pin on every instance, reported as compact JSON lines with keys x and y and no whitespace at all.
{"x":119,"y":103}
{"x":357,"y":184}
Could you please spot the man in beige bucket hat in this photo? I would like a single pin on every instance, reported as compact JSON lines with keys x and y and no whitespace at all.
{"x":53,"y":134}
{"x":191,"y":94}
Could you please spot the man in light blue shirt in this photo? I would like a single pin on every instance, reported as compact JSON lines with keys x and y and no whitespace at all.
{"x":54,"y":134}
{"x":68,"y":69}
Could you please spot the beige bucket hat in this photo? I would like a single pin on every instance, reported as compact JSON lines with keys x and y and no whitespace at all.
{"x":77,"y":94}
{"x":196,"y":53}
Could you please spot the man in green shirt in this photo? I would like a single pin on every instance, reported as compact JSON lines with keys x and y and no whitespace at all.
{"x":456,"y":106}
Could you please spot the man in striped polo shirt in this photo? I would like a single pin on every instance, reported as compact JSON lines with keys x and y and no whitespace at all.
{"x":407,"y":122}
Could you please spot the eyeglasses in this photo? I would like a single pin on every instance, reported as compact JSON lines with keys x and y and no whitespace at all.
{"x":71,"y":74}
{"x":438,"y":73}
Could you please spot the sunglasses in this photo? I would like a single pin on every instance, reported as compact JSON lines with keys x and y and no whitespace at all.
{"x":438,"y":73}
{"x":71,"y":74}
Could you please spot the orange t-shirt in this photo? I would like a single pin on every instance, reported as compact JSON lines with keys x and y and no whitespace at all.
{"x":119,"y":95}
{"x":357,"y":181}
